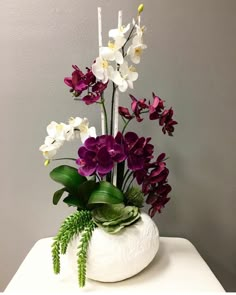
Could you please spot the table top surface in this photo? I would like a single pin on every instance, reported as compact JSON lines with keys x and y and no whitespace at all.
{"x":177,"y":267}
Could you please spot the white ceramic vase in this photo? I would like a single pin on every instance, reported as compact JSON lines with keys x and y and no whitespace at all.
{"x":116,"y":257}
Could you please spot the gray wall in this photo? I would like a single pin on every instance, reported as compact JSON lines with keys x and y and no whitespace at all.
{"x":190,"y":62}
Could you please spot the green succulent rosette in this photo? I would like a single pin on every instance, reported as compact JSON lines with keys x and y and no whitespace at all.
{"x":113,"y":218}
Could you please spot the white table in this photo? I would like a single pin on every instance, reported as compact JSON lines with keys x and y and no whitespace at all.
{"x":178,"y":267}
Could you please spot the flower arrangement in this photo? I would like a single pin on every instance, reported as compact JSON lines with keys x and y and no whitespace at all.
{"x":101,"y":183}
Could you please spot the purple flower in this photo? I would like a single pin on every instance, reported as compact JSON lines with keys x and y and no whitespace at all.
{"x":137,"y":149}
{"x":137,"y":106}
{"x":99,"y":154}
{"x":157,"y":198}
{"x":124,"y":112}
{"x":80,"y":82}
{"x":91,"y":98}
{"x":77,"y":82}
{"x":156,"y":107}
{"x":167,"y":122}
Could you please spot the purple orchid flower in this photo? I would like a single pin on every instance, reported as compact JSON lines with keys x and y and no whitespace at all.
{"x":80,"y":82}
{"x":98,"y":155}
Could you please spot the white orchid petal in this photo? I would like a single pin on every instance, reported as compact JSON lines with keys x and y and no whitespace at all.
{"x":130,"y":84}
{"x":132,"y":76}
{"x":119,"y":57}
{"x":107,"y":53}
{"x":123,"y":87}
{"x":119,"y":42}
{"x":124,"y":68}
{"x":84,"y":136}
{"x":116,"y":78}
{"x":92,"y":132}
{"x":97,"y":70}
{"x":135,"y":59}
{"x":126,"y":29}
{"x":113,"y":33}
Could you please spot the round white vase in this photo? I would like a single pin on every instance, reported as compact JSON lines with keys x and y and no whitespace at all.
{"x":116,"y":257}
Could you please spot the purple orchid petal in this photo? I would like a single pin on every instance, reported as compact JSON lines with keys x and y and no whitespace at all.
{"x":91,"y":144}
{"x":68,"y":81}
{"x":90,"y":98}
{"x":135,"y":163}
{"x":87,"y":170}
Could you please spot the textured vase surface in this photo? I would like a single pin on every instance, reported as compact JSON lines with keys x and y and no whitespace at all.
{"x":116,"y":257}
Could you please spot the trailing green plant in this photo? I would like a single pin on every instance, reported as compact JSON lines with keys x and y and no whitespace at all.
{"x":82,"y":252}
{"x":72,"y":226}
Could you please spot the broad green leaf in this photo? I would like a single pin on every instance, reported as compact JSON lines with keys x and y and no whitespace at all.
{"x":72,"y":200}
{"x":134,"y":196}
{"x":57,"y":195}
{"x":105,"y":193}
{"x":68,"y":176}
{"x":85,"y":190}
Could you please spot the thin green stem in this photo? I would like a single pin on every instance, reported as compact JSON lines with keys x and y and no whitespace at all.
{"x":112,"y":106}
{"x":57,"y":159}
{"x":126,"y":124}
{"x":128,"y":177}
{"x":130,"y":183}
{"x":105,"y":112}
{"x":129,"y":37}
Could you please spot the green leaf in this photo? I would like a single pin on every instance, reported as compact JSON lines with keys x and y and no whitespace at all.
{"x":105,"y":193}
{"x":134,"y":196}
{"x":57,"y":195}
{"x":85,"y":190}
{"x":72,"y":200}
{"x":68,"y":176}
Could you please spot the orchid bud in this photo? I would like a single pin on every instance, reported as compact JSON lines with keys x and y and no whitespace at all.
{"x":47,"y":162}
{"x":140,"y":8}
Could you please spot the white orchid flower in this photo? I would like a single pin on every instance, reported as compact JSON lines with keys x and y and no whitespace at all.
{"x":136,"y":49}
{"x":140,"y":30}
{"x":125,"y":77}
{"x":102,"y":69}
{"x":112,"y":52}
{"x":119,"y":32}
{"x":50,"y":147}
{"x":59,"y":132}
{"x":81,"y":128}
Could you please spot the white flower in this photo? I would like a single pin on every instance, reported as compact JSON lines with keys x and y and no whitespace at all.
{"x":135,"y":50}
{"x":81,"y":128}
{"x":125,"y":77}
{"x":50,"y":147}
{"x":112,"y":52}
{"x":140,"y":30}
{"x":59,"y":132}
{"x":119,"y":32}
{"x":101,"y":69}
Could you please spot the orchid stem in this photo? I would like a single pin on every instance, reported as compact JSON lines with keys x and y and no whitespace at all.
{"x":129,"y":175}
{"x":104,"y":112}
{"x":130,"y":183}
{"x":126,"y":124}
{"x":112,"y":106}
{"x":57,"y":159}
